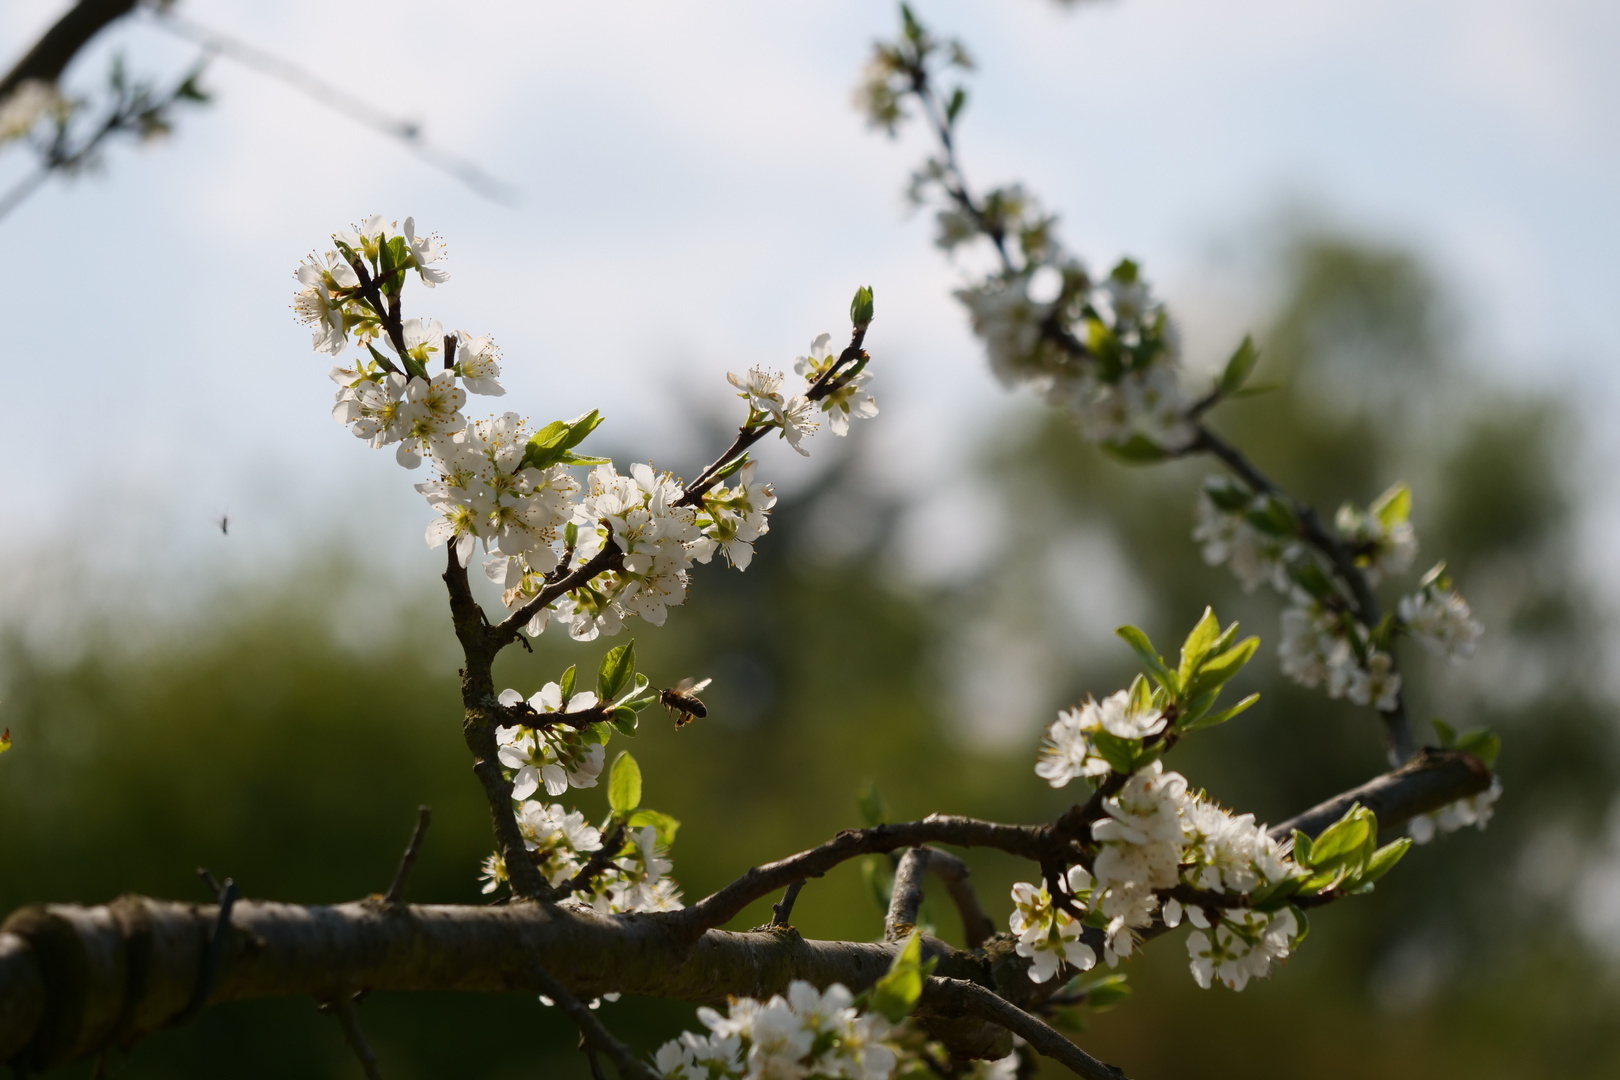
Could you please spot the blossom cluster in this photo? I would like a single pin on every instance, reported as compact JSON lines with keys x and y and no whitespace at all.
{"x":1323,"y":643}
{"x":1048,"y":936}
{"x":1069,"y":748}
{"x":1438,"y":618}
{"x":1126,"y":391}
{"x":1156,"y":835}
{"x":1156,"y":841}
{"x":805,"y":1035}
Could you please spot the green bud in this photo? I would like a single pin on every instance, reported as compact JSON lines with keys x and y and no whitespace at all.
{"x":860,"y":308}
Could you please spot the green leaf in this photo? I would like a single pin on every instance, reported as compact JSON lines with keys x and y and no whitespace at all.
{"x":1221,"y":717}
{"x":1274,"y":516}
{"x":1217,"y":670}
{"x":1314,"y":580}
{"x":665,"y":824}
{"x":1272,"y":896}
{"x":1447,"y":733}
{"x":1384,"y":859}
{"x":1198,"y":644}
{"x":552,"y":443}
{"x":624,"y":721}
{"x":1239,"y":367}
{"x":616,"y":671}
{"x":870,"y":803}
{"x":1302,"y":849}
{"x":1393,"y":506}
{"x":571,"y":458}
{"x":624,"y":784}
{"x":598,"y":734}
{"x":861,"y":308}
{"x":1228,"y":495}
{"x":1341,"y":843}
{"x":566,"y":684}
{"x":1304,"y":925}
{"x":1151,"y":660}
{"x":1104,"y":992}
{"x":896,"y":993}
{"x":1482,"y":743}
{"x":954,"y":106}
{"x":1120,"y":753}
{"x":1136,"y":450}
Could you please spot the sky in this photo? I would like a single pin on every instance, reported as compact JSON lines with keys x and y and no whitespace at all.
{"x":697,"y":194}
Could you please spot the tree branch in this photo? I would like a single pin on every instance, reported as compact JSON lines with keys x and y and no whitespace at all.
{"x":969,"y":997}
{"x":1429,"y":780}
{"x":592,"y":1031}
{"x":908,"y":893}
{"x":343,"y":1007}
{"x":396,"y":891}
{"x":76,"y":979}
{"x":1029,"y":841}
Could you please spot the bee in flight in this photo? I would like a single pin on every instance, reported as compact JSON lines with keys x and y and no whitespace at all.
{"x":224,"y":523}
{"x":682,"y":700}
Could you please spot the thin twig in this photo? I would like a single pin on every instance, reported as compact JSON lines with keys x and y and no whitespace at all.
{"x":338,"y":100}
{"x":396,"y":891}
{"x":599,"y":861}
{"x":591,"y":1028}
{"x":782,"y":910}
{"x":969,"y":997}
{"x":343,"y":1008}
{"x":208,"y":974}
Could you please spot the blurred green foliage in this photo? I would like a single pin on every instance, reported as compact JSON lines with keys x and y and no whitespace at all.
{"x":264,"y":747}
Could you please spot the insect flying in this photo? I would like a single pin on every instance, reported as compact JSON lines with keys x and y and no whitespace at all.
{"x":682,"y":700}
{"x":224,"y":523}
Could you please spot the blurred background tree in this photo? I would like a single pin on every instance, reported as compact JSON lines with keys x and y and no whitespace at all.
{"x":266,"y":741}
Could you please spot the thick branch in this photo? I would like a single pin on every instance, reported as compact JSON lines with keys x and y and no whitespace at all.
{"x":971,"y":998}
{"x":74,"y":979}
{"x":53,"y":52}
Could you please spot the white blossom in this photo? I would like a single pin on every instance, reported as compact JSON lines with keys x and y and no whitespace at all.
{"x":850,"y":399}
{"x":425,"y":251}
{"x":1441,"y":621}
{"x":1475,"y":810}
{"x":478,"y":364}
{"x":315,"y":305}
{"x":1141,"y":842}
{"x":806,"y":1033}
{"x":1048,"y":936}
{"x":1255,"y":557}
{"x":1241,"y":946}
{"x":1067,"y":750}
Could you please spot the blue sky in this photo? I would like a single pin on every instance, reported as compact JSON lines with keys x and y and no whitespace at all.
{"x":698,"y":195}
